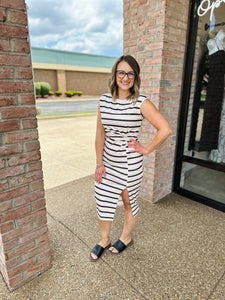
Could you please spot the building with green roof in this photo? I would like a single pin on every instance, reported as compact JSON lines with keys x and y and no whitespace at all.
{"x":65,"y":70}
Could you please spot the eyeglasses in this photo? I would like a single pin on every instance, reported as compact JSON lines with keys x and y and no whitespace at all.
{"x":122,"y":74}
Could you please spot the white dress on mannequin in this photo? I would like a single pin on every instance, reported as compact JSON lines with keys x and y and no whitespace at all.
{"x":217,"y":43}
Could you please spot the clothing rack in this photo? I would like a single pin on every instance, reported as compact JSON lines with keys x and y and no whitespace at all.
{"x":208,"y":26}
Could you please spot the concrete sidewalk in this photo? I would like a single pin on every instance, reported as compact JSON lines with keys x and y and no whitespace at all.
{"x":178,"y":250}
{"x":67,"y":147}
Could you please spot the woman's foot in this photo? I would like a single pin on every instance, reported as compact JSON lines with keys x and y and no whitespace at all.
{"x":120,"y":245}
{"x":98,"y":250}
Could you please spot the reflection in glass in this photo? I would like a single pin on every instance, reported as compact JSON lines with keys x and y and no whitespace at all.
{"x":203,"y":181}
{"x":205,"y":135}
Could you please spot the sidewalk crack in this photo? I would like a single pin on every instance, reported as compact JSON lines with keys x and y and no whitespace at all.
{"x":216,"y":285}
{"x":115,"y":271}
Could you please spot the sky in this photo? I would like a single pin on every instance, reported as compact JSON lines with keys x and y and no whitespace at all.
{"x":86,"y":26}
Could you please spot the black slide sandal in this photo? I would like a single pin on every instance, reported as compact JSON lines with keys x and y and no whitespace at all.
{"x":98,"y":250}
{"x":120,"y":246}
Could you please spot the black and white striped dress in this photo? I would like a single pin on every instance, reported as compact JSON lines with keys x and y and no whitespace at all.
{"x":124,"y":169}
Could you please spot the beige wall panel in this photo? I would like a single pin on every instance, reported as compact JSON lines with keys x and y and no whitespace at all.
{"x":46,"y":76}
{"x":88,"y":83}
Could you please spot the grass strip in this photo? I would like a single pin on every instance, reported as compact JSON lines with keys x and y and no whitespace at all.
{"x":67,"y":114}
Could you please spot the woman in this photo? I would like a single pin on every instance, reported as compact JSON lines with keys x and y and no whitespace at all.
{"x":119,"y":155}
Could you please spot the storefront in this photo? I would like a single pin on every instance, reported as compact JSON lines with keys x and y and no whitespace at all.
{"x":200,"y":156}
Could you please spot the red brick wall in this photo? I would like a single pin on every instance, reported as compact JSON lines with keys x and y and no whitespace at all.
{"x":24,"y":242}
{"x":155,"y":33}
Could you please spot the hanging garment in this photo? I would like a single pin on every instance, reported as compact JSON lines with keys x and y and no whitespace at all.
{"x":218,"y":155}
{"x":213,"y":102}
{"x":201,"y":71}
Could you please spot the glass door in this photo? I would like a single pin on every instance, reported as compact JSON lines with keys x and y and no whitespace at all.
{"x":200,"y":165}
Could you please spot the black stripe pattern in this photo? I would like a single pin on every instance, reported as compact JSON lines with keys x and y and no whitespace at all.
{"x":124,"y":169}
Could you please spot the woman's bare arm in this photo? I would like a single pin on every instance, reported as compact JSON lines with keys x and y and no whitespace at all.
{"x":99,"y":146}
{"x":150,"y":112}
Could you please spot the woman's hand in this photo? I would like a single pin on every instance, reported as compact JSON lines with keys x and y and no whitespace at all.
{"x":137,"y":147}
{"x":99,"y":172}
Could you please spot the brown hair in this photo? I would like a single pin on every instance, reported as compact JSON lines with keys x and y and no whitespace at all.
{"x":134,"y":90}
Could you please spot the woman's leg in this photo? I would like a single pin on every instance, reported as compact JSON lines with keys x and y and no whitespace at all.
{"x":129,"y":220}
{"x":104,"y":227}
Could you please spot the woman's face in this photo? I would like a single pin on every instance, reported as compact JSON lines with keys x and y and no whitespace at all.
{"x":124,"y":81}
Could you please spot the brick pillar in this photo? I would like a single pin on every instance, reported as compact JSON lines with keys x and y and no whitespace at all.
{"x":24,"y":242}
{"x":155,"y":33}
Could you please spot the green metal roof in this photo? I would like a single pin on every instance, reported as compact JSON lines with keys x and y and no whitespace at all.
{"x":59,"y":57}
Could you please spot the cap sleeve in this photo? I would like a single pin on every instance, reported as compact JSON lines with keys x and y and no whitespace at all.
{"x":141,"y":99}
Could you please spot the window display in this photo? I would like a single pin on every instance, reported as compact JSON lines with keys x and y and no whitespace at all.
{"x":206,"y":128}
{"x":201,"y":162}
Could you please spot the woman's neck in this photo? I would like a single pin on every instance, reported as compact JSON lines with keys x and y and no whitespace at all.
{"x":123,"y":94}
